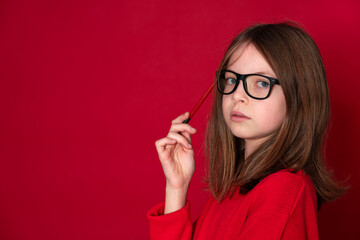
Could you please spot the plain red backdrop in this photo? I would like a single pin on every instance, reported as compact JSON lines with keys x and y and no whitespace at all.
{"x":86,"y":87}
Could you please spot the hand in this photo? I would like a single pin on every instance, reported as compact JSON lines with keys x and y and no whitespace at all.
{"x":176,"y":153}
{"x":177,"y":159}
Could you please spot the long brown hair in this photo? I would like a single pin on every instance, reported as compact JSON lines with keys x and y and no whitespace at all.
{"x":298,"y":144}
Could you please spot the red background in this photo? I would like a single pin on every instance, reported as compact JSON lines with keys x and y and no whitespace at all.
{"x":86,"y":87}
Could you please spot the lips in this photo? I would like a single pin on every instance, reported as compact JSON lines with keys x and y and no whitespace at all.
{"x":238,"y":116}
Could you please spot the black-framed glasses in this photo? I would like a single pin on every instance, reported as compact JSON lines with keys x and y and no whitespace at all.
{"x":256,"y":86}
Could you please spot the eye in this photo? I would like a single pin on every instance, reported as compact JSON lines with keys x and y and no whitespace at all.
{"x":230,"y":81}
{"x":263,"y":84}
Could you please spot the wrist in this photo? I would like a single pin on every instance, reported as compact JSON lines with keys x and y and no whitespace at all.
{"x":175,"y":199}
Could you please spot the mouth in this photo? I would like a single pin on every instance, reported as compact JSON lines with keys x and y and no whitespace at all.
{"x":238,"y":116}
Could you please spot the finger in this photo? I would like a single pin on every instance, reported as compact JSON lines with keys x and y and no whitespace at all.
{"x":181,"y":118}
{"x":162,"y":143}
{"x":180,"y":139}
{"x":182,"y":127}
{"x":187,"y":136}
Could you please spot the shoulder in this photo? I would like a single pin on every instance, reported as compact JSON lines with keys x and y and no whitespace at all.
{"x":284,"y":180}
{"x":282,"y":191}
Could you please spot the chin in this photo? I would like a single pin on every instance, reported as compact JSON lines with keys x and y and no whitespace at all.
{"x":240,"y":135}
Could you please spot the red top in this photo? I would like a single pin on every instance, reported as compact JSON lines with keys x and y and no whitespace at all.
{"x":281,"y":206}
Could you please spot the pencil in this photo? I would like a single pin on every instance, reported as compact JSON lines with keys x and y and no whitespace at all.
{"x":197,"y":106}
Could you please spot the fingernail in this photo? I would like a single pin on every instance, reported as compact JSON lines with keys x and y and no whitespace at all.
{"x":193,"y":129}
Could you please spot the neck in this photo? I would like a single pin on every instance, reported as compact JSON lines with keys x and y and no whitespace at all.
{"x":251,"y":146}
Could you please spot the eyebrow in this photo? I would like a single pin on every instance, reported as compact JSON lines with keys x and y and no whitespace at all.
{"x":261,"y":73}
{"x":264,"y":73}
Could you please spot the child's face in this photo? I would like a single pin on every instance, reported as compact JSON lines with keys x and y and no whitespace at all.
{"x":250,"y":119}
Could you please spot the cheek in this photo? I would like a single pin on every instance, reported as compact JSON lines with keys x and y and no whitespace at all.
{"x":278,"y":112}
{"x":278,"y":118}
{"x":226,"y":101}
{"x":269,"y":119}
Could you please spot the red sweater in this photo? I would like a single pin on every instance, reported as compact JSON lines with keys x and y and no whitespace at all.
{"x":281,"y":206}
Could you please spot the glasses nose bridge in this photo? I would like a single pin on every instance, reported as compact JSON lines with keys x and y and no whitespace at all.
{"x":242,"y":78}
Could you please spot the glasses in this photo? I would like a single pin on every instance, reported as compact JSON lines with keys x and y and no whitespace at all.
{"x":255,"y":85}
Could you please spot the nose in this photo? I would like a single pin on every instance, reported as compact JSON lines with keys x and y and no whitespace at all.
{"x":240,"y":94}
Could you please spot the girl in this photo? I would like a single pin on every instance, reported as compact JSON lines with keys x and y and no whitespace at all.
{"x":263,"y":145}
